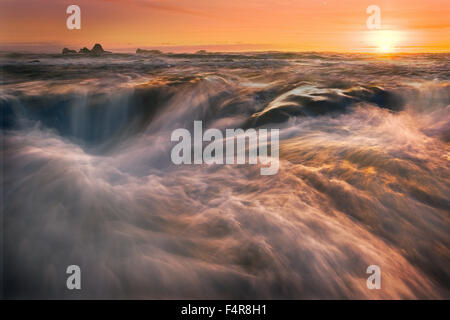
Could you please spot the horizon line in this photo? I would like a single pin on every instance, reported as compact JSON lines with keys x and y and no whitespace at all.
{"x":56,"y":47}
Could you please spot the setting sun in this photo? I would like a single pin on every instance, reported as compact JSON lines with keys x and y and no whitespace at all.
{"x":385,"y":41}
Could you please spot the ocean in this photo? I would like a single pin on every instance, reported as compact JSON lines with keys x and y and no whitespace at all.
{"x":363,"y":176}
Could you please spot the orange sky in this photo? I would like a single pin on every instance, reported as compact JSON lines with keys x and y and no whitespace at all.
{"x":226,"y":25}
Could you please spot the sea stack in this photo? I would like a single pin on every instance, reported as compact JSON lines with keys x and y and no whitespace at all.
{"x":97,"y":49}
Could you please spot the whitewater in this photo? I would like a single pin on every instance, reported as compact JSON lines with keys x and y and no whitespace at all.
{"x":363,"y":176}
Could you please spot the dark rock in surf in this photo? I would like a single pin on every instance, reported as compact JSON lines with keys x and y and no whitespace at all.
{"x":327,"y":103}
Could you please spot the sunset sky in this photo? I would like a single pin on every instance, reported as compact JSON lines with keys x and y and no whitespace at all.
{"x":227,"y":25}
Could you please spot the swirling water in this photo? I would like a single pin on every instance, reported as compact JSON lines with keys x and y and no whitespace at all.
{"x":364,"y":176}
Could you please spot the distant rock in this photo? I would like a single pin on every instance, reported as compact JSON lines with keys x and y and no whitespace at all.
{"x":142,"y":51}
{"x":84,"y":50}
{"x":67,"y":51}
{"x":97,"y":49}
{"x":201,"y":52}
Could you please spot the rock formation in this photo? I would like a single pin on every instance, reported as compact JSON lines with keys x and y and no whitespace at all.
{"x":97,"y":49}
{"x":67,"y":51}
